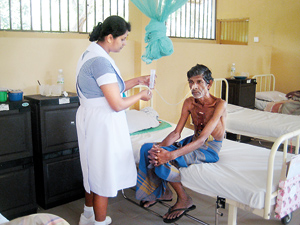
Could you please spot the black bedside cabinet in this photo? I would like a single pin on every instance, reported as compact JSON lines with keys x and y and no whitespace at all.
{"x":55,"y":149}
{"x":242,"y":92}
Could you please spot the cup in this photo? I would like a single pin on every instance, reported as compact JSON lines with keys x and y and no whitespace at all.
{"x":45,"y":90}
{"x":42,"y":89}
{"x":15,"y":95}
{"x":3,"y":96}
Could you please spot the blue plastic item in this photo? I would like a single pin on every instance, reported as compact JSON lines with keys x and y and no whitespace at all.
{"x":15,"y":96}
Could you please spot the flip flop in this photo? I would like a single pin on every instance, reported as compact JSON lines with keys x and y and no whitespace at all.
{"x":142,"y":203}
{"x":165,"y":200}
{"x":185,"y":210}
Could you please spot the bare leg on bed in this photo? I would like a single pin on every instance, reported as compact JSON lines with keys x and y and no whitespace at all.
{"x":184,"y":201}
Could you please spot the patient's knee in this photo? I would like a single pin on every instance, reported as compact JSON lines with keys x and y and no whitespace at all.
{"x":145,"y":148}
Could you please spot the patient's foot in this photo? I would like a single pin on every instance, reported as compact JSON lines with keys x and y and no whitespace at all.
{"x":181,"y":206}
{"x":147,"y":204}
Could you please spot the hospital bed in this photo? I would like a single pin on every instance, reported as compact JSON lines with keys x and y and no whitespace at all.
{"x":254,"y":123}
{"x":246,"y":176}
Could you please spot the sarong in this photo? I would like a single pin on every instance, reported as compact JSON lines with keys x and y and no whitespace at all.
{"x":152,"y":181}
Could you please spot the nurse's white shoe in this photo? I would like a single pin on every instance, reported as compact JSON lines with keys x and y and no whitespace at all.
{"x":105,"y":222}
{"x":91,"y":220}
{"x":86,"y":220}
{"x":108,"y":220}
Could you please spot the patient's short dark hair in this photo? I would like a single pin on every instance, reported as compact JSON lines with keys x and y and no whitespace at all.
{"x":200,"y":70}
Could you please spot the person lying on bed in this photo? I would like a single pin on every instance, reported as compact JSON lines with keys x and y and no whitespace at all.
{"x":160,"y":162}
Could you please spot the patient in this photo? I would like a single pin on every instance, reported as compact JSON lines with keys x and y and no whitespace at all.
{"x":160,"y":162}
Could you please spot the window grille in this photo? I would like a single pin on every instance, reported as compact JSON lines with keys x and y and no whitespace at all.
{"x":196,"y":19}
{"x":58,"y":15}
{"x":233,"y":31}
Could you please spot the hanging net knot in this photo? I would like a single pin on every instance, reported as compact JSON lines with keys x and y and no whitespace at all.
{"x":158,"y":43}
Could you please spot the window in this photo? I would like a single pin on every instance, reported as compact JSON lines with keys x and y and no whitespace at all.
{"x":196,"y":19}
{"x":233,"y":31}
{"x":58,"y":15}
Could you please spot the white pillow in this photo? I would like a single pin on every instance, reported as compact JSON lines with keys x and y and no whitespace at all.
{"x":260,"y":104}
{"x":271,"y":96}
{"x":140,"y":120}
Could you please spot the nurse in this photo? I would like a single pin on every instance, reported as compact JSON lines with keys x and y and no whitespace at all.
{"x":106,"y":154}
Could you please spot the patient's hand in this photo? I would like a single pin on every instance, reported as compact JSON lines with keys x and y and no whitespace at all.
{"x":158,"y":156}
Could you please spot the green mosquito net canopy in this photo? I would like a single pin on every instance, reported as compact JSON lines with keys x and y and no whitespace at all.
{"x":158,"y":44}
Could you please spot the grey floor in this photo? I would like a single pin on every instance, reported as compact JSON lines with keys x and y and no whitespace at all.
{"x":124,"y":212}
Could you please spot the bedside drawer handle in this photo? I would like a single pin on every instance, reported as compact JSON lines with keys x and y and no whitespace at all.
{"x":72,"y":122}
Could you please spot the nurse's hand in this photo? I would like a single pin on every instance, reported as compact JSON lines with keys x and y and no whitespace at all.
{"x":144,"y":80}
{"x":146,"y":95}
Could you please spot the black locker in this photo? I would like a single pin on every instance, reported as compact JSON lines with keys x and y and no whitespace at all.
{"x":242,"y":92}
{"x":56,"y":155}
{"x":17,"y":185}
{"x":15,"y":125}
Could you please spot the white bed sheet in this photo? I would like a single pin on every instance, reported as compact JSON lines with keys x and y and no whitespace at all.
{"x":156,"y":136}
{"x":260,"y":124}
{"x":239,"y":175}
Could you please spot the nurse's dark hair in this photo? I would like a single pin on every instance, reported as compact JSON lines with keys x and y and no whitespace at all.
{"x":114,"y":25}
{"x":200,"y":70}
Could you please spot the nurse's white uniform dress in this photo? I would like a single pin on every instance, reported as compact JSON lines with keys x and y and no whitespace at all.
{"x":106,"y":153}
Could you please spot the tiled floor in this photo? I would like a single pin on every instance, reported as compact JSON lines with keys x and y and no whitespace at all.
{"x":124,"y":212}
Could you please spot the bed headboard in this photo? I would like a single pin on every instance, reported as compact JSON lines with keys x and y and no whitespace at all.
{"x":220,"y":88}
{"x":265,"y":82}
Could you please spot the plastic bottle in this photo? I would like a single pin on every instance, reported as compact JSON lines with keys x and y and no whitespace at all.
{"x":232,"y":70}
{"x":60,"y":80}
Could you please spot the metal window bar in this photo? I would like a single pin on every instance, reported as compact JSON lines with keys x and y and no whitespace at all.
{"x":21,"y":17}
{"x":185,"y":21}
{"x":50,"y":13}
{"x":57,"y":15}
{"x":86,"y":13}
{"x":10,"y":17}
{"x":180,"y":20}
{"x":190,"y":18}
{"x":31,"y":26}
{"x":110,"y":7}
{"x":196,"y":19}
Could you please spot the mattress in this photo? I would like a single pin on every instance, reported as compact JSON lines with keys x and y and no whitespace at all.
{"x":239,"y":175}
{"x":260,"y":124}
